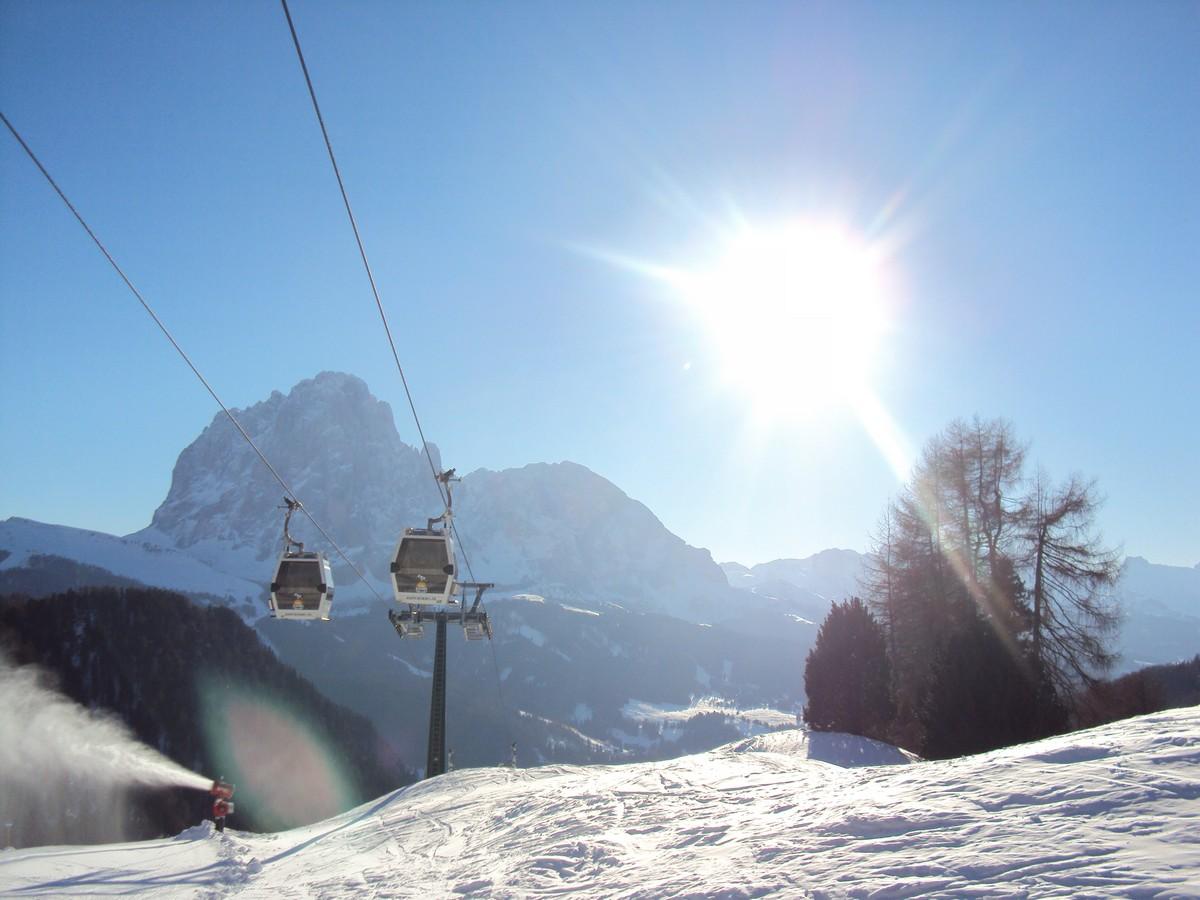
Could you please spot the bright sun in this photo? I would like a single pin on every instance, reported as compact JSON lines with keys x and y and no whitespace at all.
{"x":795,"y":313}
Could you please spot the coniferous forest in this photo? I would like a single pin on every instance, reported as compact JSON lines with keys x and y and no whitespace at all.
{"x":987,"y":606}
{"x":157,"y":661}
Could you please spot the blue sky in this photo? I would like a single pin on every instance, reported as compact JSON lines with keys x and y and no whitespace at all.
{"x":1032,"y":170}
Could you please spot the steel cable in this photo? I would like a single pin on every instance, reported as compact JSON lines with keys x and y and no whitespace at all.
{"x":362,"y":252}
{"x":174,"y":343}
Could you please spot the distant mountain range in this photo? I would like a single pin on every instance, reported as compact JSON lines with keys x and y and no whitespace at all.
{"x":608,"y":627}
{"x":599,"y":609}
{"x":1161,"y":604}
{"x":808,"y":586}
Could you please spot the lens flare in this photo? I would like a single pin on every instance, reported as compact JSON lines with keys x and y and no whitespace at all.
{"x":285,"y":771}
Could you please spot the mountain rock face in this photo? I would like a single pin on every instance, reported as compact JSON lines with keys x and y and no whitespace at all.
{"x":1157,"y":588}
{"x":831,"y":574}
{"x":334,"y":443}
{"x":561,"y":529}
{"x":600,"y":612}
{"x":1161,"y":606}
{"x":612,"y":634}
{"x":802,"y":587}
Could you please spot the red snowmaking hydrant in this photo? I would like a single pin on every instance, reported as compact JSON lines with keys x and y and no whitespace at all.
{"x":222,"y":794}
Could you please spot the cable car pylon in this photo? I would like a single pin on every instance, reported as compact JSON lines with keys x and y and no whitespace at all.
{"x":423,"y":578}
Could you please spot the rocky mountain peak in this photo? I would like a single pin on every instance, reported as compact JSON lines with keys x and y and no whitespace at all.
{"x":545,"y":527}
{"x":332,"y":441}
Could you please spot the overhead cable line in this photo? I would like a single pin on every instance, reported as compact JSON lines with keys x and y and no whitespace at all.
{"x":163,"y":328}
{"x":362,"y":252}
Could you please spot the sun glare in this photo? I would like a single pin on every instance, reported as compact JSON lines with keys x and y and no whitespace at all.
{"x":795,"y":314}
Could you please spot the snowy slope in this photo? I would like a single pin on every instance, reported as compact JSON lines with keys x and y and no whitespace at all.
{"x":143,"y":560}
{"x":1107,"y":812}
{"x":562,"y":529}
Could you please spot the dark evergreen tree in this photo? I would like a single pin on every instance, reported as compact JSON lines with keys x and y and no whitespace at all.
{"x":963,"y":548}
{"x":847,"y":676}
{"x":983,"y":693}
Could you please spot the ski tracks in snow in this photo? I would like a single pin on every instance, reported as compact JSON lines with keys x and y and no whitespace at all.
{"x":1109,"y":812}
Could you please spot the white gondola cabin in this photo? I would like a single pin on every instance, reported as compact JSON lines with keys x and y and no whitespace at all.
{"x":423,"y":567}
{"x":477,"y":629}
{"x":302,"y":587}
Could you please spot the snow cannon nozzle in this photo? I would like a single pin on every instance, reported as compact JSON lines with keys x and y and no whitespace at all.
{"x":221,"y":790}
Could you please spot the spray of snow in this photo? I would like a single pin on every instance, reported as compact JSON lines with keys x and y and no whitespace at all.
{"x":62,"y":764}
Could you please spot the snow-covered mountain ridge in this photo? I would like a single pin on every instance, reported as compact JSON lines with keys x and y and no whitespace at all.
{"x":141,"y":560}
{"x":671,"y":626}
{"x":1160,"y":603}
{"x":1110,"y":812}
{"x":338,"y":448}
{"x":557,"y":530}
{"x":561,"y":529}
{"x":803,"y":587}
{"x":545,"y":528}
{"x":549,"y":528}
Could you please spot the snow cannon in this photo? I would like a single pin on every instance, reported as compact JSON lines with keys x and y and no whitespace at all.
{"x":222,"y":803}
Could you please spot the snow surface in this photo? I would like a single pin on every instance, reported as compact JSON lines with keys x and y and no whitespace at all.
{"x":1107,"y":812}
{"x":143,"y":560}
{"x":664,"y":713}
{"x":531,"y":598}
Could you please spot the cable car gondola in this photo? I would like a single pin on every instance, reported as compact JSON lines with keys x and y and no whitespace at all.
{"x":303,"y":584}
{"x":423,"y":564}
{"x":423,"y":567}
{"x":477,"y":630}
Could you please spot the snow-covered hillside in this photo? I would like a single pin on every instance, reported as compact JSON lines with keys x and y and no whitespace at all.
{"x":140,"y":559}
{"x":1110,"y":812}
{"x":611,"y":571}
{"x":562,"y":529}
{"x":591,"y":683}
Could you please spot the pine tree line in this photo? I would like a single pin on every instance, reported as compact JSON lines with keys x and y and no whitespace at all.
{"x":148,"y":656}
{"x":987,"y":604}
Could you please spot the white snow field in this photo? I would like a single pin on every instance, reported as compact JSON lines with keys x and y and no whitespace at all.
{"x":1109,"y":812}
